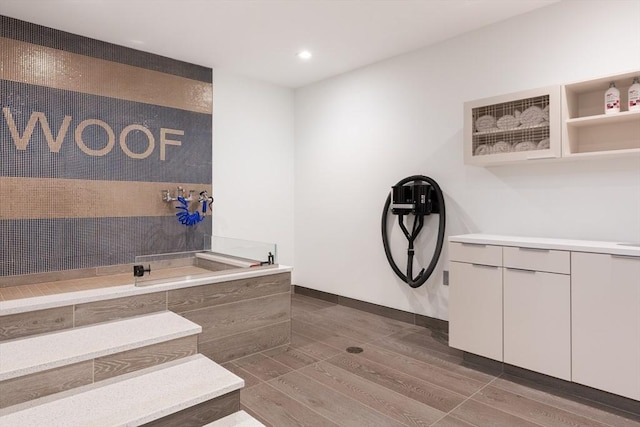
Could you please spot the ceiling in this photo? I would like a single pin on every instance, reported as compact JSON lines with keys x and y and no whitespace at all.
{"x":259,"y":38}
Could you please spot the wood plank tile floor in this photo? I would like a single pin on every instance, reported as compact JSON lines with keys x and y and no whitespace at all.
{"x":406,"y":375}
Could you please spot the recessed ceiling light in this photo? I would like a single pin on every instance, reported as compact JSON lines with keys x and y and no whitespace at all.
{"x":304,"y":54}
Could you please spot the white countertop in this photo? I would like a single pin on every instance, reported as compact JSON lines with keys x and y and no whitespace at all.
{"x":613,"y":248}
{"x":69,"y":298}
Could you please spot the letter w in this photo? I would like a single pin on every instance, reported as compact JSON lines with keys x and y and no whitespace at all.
{"x":21,"y":142}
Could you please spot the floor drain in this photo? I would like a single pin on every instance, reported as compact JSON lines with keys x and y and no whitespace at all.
{"x":354,"y":350}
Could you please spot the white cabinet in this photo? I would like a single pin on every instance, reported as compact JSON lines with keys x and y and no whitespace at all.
{"x":587,"y":131}
{"x":508,"y":304}
{"x":475,"y":299}
{"x":565,"y":308}
{"x":537,"y":306}
{"x":537,"y":324}
{"x":475,"y":309}
{"x":516,"y":127}
{"x":605,"y":301}
{"x":508,"y":128}
{"x":537,"y":259}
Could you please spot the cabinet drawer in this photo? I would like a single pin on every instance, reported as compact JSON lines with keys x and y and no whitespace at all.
{"x":475,"y":253}
{"x":537,"y":259}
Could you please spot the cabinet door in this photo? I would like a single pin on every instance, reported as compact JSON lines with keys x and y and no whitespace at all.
{"x":605,"y":318}
{"x":475,"y":309}
{"x":537,"y":321}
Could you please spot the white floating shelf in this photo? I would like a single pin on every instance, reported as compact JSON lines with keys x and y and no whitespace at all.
{"x":622,"y":117}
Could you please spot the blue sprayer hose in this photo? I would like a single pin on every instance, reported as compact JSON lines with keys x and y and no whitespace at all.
{"x":184,"y":216}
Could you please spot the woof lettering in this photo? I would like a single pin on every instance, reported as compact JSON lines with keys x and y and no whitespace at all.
{"x":21,"y":142}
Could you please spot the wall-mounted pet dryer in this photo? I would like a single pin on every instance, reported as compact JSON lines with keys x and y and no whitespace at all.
{"x":416,"y":196}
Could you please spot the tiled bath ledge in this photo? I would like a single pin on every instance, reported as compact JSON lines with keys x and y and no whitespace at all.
{"x":79,"y":297}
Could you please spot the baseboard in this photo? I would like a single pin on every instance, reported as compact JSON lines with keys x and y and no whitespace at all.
{"x":563,"y":388}
{"x":391,"y":313}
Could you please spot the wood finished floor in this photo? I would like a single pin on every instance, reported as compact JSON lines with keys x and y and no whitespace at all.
{"x":406,"y":376}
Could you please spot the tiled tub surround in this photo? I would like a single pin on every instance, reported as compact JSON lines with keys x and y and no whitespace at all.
{"x":94,"y":139}
{"x":192,"y":264}
{"x":252,"y":309}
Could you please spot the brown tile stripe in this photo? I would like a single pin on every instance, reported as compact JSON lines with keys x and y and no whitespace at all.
{"x":45,"y":66}
{"x":39,"y":198}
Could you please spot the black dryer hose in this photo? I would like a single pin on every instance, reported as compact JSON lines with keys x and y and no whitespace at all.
{"x":425,"y":273}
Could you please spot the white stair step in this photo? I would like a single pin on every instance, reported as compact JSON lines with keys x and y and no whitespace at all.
{"x":131,"y":399}
{"x":237,"y":419}
{"x":39,"y":353}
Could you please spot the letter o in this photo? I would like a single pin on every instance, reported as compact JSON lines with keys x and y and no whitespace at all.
{"x":110,"y":143}
{"x":125,"y":148}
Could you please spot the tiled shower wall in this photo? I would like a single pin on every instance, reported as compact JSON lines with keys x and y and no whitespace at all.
{"x":90,"y":134}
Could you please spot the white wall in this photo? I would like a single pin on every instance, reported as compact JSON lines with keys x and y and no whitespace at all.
{"x":253,"y":150}
{"x":361,"y":132}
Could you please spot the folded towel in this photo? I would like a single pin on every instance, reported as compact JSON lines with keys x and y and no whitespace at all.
{"x":544,"y":144}
{"x":481,"y":150}
{"x":545,"y":111}
{"x":502,"y":147}
{"x":525,"y":146}
{"x":532,"y":116}
{"x":507,"y":122}
{"x":485,"y":123}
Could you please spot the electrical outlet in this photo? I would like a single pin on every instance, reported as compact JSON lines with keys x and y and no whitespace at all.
{"x":445,"y":277}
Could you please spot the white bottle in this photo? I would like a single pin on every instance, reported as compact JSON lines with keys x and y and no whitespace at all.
{"x":612,"y":99}
{"x":634,"y":96}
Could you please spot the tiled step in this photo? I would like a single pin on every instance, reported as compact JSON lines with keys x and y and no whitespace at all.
{"x":43,"y":352}
{"x":161,"y":392}
{"x":238,"y":419}
{"x":43,"y":365}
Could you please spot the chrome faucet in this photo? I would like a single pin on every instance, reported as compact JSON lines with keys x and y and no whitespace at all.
{"x":166,"y":195}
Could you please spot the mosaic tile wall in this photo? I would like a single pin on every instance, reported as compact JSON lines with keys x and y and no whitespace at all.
{"x":90,"y":134}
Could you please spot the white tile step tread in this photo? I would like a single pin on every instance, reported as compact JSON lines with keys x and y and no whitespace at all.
{"x":28,"y":355}
{"x":131,"y":399}
{"x":237,"y":419}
